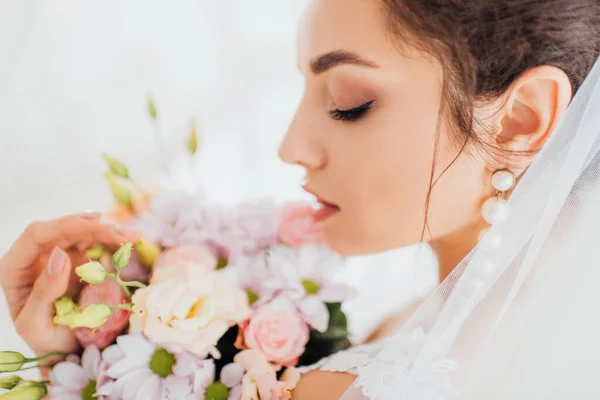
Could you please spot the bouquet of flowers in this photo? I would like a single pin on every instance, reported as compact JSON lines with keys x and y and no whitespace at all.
{"x":209,"y":303}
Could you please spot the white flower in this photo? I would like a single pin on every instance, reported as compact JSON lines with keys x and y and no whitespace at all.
{"x":71,"y":379}
{"x":305,"y":275}
{"x":189,"y":305}
{"x":143,"y":370}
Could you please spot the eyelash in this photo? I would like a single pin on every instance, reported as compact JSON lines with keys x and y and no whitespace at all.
{"x":353,"y":114}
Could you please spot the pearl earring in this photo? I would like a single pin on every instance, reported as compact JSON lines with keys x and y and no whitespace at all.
{"x":495,"y":210}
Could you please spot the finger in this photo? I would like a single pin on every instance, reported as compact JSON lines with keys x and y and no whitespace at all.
{"x":37,"y":313}
{"x":66,"y":231}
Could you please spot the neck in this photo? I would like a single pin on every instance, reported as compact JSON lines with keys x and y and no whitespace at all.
{"x":452,"y":248}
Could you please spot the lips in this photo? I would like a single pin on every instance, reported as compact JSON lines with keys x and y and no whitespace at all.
{"x":325,"y":209}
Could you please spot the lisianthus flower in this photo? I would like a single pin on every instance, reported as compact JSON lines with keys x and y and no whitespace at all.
{"x":186,"y":254}
{"x":277,"y":330}
{"x":252,"y":227}
{"x":252,"y":377}
{"x":189,"y":305}
{"x":143,"y":370}
{"x":110,"y":293}
{"x":304,"y":275}
{"x":77,"y":379}
{"x":182,"y":218}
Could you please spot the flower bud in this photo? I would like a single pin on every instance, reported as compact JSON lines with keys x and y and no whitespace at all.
{"x":93,"y":316}
{"x":91,"y":272}
{"x":65,"y":306}
{"x":147,"y":252}
{"x":152,"y":108}
{"x":116,"y":167}
{"x":66,"y":311}
{"x":95,"y":253}
{"x":122,"y":256}
{"x":11,"y":361}
{"x":26,"y":390}
{"x":9,"y":382}
{"x":120,"y":192}
{"x":192,"y":143}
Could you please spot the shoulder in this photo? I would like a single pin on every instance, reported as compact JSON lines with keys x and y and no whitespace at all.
{"x":323,"y":385}
{"x":332,"y":376}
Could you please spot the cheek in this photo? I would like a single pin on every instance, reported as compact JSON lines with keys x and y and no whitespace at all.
{"x":457,"y":197}
{"x":386,"y":191}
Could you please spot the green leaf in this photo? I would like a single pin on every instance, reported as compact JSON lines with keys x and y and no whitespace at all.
{"x":116,"y":167}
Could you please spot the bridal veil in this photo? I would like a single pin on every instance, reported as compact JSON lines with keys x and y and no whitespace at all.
{"x":519,"y":318}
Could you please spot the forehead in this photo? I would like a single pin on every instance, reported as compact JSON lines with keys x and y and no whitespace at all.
{"x":353,"y":25}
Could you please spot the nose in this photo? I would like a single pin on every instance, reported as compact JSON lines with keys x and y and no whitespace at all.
{"x":301,"y":146}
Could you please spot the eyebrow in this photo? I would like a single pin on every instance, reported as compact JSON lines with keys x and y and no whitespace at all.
{"x":333,"y":59}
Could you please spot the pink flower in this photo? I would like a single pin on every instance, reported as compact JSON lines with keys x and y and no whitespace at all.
{"x":277,"y":330}
{"x":298,"y":227}
{"x":69,"y":379}
{"x":252,"y":227}
{"x":252,"y":377}
{"x":108,"y":292}
{"x":186,"y":254}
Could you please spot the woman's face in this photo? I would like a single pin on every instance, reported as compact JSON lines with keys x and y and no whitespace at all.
{"x":365,"y":132}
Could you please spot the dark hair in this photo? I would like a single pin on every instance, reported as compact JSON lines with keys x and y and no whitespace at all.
{"x":484,"y":45}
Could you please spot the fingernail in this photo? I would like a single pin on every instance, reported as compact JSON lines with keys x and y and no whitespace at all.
{"x":123,"y":231}
{"x":89,"y":214}
{"x":56,"y":262}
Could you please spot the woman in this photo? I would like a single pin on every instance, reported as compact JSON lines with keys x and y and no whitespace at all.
{"x":415,"y":114}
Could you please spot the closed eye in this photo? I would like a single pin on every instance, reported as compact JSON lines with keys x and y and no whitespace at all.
{"x":353,"y":114}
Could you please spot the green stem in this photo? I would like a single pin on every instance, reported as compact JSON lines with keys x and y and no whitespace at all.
{"x":55,"y":353}
{"x":117,"y":279}
{"x":26,"y":368}
{"x":127,"y":307}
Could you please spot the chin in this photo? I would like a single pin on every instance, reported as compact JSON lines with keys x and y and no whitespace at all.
{"x":350,"y":241}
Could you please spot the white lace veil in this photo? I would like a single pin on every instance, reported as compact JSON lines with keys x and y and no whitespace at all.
{"x":519,"y":318}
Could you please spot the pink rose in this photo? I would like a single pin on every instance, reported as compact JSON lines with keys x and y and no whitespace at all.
{"x":297,"y":226}
{"x":108,"y":292}
{"x":186,"y":254}
{"x":277,"y":330}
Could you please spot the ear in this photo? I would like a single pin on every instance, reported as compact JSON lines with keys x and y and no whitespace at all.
{"x":533,"y":107}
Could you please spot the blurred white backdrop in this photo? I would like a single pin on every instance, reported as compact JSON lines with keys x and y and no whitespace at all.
{"x":74,"y":77}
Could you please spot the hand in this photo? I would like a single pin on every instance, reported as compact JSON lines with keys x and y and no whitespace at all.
{"x":36,"y":271}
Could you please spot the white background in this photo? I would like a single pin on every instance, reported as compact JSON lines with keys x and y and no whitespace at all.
{"x":74,"y":76}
